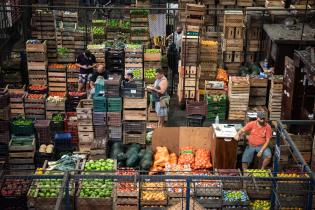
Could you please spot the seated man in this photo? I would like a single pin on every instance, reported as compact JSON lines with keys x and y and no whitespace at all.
{"x":128,"y":80}
{"x":100,"y":73}
{"x":259,"y":137}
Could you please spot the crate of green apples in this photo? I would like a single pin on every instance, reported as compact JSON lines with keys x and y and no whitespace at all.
{"x":235,"y":198}
{"x":101,"y":166}
{"x":258,"y":173}
{"x":152,"y":55}
{"x":95,"y":194}
{"x":149,"y":75}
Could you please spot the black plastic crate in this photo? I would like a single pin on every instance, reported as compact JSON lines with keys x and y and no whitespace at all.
{"x":99,"y":118}
{"x":133,"y":90}
{"x":135,"y":127}
{"x":43,"y":132}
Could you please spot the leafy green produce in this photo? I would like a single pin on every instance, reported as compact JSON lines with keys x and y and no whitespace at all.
{"x":96,"y":188}
{"x":62,"y":51}
{"x":148,"y":137}
{"x":113,"y":23}
{"x":99,"y":165}
{"x":58,"y":118}
{"x":125,"y":25}
{"x":23,"y":122}
{"x":152,"y":50}
{"x":99,"y":21}
{"x":98,"y":30}
{"x":139,"y":12}
{"x":133,"y":46}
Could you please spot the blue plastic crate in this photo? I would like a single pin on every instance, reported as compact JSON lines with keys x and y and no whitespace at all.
{"x":62,"y":139}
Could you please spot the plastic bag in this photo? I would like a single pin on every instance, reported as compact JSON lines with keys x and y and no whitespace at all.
{"x":186,"y":156}
{"x":202,"y":159}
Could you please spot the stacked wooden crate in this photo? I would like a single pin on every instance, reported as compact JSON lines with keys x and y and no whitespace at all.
{"x":313,"y":155}
{"x":194,"y":15}
{"x":244,"y":3}
{"x":44,"y":29}
{"x":304,"y":143}
{"x":152,"y":61}
{"x":134,"y":60}
{"x":85,"y":124}
{"x":188,"y":85}
{"x":16,"y":101}
{"x":114,"y":121}
{"x":258,"y":92}
{"x":98,"y":31}
{"x":135,"y":109}
{"x":239,"y":88}
{"x":4,"y":104}
{"x":55,"y":104}
{"x":57,"y":78}
{"x":21,"y":154}
{"x":182,"y":7}
{"x":275,"y":97}
{"x":210,"y":17}
{"x":253,"y":24}
{"x":73,"y":72}
{"x":37,"y":62}
{"x":274,"y":4}
{"x":139,"y":22}
{"x":34,"y":106}
{"x":190,"y":45}
{"x":208,"y":61}
{"x":233,"y":40}
{"x":99,"y":52}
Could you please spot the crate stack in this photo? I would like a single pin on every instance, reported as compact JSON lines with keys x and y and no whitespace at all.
{"x":115,"y":60}
{"x":55,"y":104}
{"x":274,"y":4}
{"x":210,"y":18}
{"x":242,"y":202}
{"x":37,"y":62}
{"x":73,"y":99}
{"x":239,"y":88}
{"x":275,"y":97}
{"x":4,"y":104}
{"x":71,"y":126}
{"x":98,"y":31}
{"x":134,"y":60}
{"x":152,"y":61}
{"x":209,"y":193}
{"x":194,"y":15}
{"x":17,"y":101}
{"x":304,"y":144}
{"x":233,"y":39}
{"x":114,"y":121}
{"x":258,"y":189}
{"x":99,"y":52}
{"x":85,"y":124}
{"x":208,"y":61}
{"x":34,"y":105}
{"x":139,"y":26}
{"x":253,"y":23}
{"x":217,"y":106}
{"x":188,"y":85}
{"x":73,"y":72}
{"x":4,"y":139}
{"x":43,"y":137}
{"x":44,"y":29}
{"x":258,"y":92}
{"x":57,"y":78}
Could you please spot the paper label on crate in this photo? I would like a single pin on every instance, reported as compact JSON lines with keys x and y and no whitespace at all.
{"x":133,"y":91}
{"x":110,"y":78}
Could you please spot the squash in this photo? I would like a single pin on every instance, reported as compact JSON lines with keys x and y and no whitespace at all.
{"x":132,"y":160}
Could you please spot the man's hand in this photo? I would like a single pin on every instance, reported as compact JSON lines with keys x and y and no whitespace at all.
{"x":237,"y":137}
{"x":259,"y":154}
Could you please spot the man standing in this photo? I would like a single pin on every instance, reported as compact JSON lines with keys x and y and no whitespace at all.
{"x":176,"y":38}
{"x":86,"y":61}
{"x":259,"y":137}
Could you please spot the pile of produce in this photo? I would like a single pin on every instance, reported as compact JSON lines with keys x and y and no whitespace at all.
{"x":171,"y":168}
{"x":152,"y":50}
{"x":15,"y":187}
{"x":56,"y":66}
{"x":56,"y":99}
{"x":161,"y":158}
{"x":126,"y":186}
{"x":261,"y":205}
{"x":113,"y":23}
{"x":234,"y":196}
{"x":222,"y":75}
{"x":57,"y":94}
{"x":133,"y":46}
{"x":148,"y":138}
{"x":16,"y":95}
{"x":98,"y":31}
{"x":65,"y":163}
{"x":251,"y":69}
{"x":209,"y":43}
{"x":100,"y":165}
{"x":186,"y":156}
{"x":99,"y":21}
{"x":37,"y":88}
{"x":153,"y":191}
{"x":76,"y":94}
{"x":22,"y":122}
{"x":58,"y":118}
{"x":257,"y":173}
{"x":96,"y":188}
{"x":149,"y":73}
{"x":137,"y":73}
{"x":46,"y":188}
{"x":72,"y":66}
{"x":46,"y":149}
{"x":202,"y":159}
{"x":35,"y":96}
{"x":143,"y":12}
{"x":133,"y":157}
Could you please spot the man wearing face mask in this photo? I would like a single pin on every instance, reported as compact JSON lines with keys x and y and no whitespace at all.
{"x":259,"y":137}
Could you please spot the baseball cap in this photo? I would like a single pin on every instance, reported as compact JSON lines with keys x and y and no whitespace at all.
{"x":261,"y":115}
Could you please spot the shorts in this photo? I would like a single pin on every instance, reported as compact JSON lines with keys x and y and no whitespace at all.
{"x":160,"y":111}
{"x":249,"y":152}
{"x":85,"y":78}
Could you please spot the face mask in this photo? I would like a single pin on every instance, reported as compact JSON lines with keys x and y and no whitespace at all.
{"x":261,"y":123}
{"x":179,"y":32}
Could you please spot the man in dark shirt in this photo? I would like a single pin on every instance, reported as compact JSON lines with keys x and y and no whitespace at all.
{"x":86,"y":61}
{"x":100,"y":71}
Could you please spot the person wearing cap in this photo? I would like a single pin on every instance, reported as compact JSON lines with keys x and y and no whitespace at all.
{"x":259,"y":137}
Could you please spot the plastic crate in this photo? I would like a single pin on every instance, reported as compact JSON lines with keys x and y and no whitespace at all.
{"x":113,"y":80}
{"x":113,"y":90}
{"x":135,"y":126}
{"x":114,"y":104}
{"x":57,"y":126}
{"x":99,"y":104}
{"x":4,"y":126}
{"x":22,"y":130}
{"x":4,"y":99}
{"x":100,"y":132}
{"x":114,"y":132}
{"x":133,"y":90}
{"x":114,"y":118}
{"x":196,"y":107}
{"x":62,"y":140}
{"x":99,"y":118}
{"x":129,"y":138}
{"x":43,"y":133}
{"x":5,"y":113}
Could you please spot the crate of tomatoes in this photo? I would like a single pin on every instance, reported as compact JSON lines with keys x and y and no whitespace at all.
{"x":37,"y":89}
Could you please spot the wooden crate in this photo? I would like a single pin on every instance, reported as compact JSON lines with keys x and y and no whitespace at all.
{"x":233,"y":18}
{"x":37,"y":48}
{"x":233,"y":32}
{"x":152,"y":56}
{"x":135,"y":103}
{"x":227,"y":2}
{"x":85,"y":137}
{"x":245,"y":3}
{"x":233,"y":45}
{"x":258,"y":82}
{"x":37,"y":65}
{"x":136,"y":115}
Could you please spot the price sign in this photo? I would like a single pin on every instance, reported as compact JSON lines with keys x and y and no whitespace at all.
{"x":133,"y":91}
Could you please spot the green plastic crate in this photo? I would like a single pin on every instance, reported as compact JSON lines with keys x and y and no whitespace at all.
{"x":114,"y":104}
{"x":212,"y":116}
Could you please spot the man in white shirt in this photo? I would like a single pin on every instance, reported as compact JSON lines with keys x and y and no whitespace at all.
{"x":176,"y":37}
